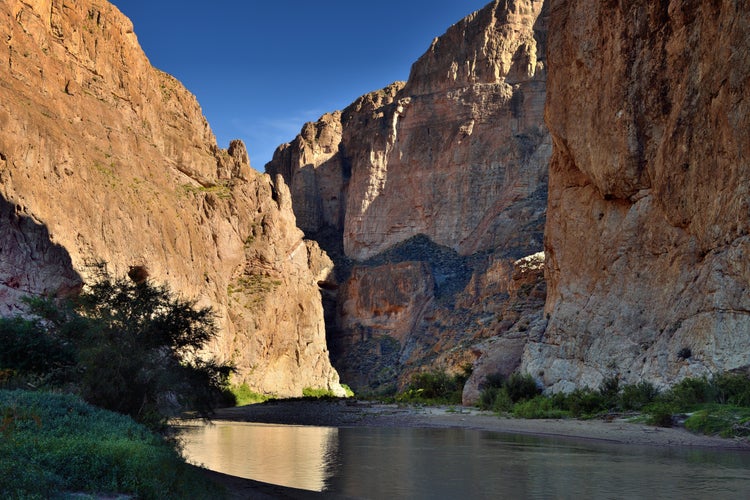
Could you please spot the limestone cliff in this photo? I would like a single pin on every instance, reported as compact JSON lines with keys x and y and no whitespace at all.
{"x":103,"y":157}
{"x":647,"y":226}
{"x":421,"y":189}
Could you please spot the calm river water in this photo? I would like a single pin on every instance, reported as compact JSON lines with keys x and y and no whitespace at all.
{"x":369,"y":462}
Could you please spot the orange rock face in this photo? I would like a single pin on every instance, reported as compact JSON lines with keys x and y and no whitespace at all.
{"x":445,"y":175}
{"x":103,"y":157}
{"x":649,"y":213}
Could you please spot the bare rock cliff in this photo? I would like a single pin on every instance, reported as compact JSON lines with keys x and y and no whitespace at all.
{"x":103,"y":157}
{"x":647,"y":236}
{"x":419,"y":189}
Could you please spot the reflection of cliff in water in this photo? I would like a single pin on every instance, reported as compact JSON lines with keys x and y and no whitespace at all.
{"x":295,"y":456}
{"x":31,"y":263}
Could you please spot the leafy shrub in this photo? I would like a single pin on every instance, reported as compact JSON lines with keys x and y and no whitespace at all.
{"x":722,"y":420}
{"x":27,"y":349}
{"x":495,"y":399}
{"x":487,"y":397}
{"x":317,"y":393}
{"x":493,"y":380}
{"x":490,"y":389}
{"x":660,"y":414}
{"x":584,"y":402}
{"x":435,"y":387}
{"x":691,"y":392}
{"x":637,"y":396}
{"x":732,"y":388}
{"x":499,"y":394}
{"x":243,"y":395}
{"x":610,"y":392}
{"x":127,"y":347}
{"x":521,"y":387}
{"x":538,"y":407}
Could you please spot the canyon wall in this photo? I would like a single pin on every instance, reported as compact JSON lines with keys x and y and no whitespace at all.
{"x":426,"y":194}
{"x":105,"y":158}
{"x":647,"y":237}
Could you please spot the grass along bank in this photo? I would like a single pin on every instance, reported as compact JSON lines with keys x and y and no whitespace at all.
{"x":55,"y":445}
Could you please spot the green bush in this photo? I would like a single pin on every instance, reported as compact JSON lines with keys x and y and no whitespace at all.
{"x":538,"y":407}
{"x":487,"y":397}
{"x":243,"y":395}
{"x":348,"y":391}
{"x":28,"y":350}
{"x":521,"y":387}
{"x":584,"y":402}
{"x":435,"y":387}
{"x":499,"y":394}
{"x":610,"y":392}
{"x":732,"y":388}
{"x":636,"y":396}
{"x":127,"y":347}
{"x":660,"y":414}
{"x":722,"y":420}
{"x":495,"y":399}
{"x":317,"y":393}
{"x":53,"y":444}
{"x":493,"y":380}
{"x":692,"y":392}
{"x":720,"y":405}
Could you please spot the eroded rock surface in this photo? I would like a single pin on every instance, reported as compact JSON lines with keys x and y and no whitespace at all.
{"x":647,"y":226}
{"x":103,"y":157}
{"x":418,"y":190}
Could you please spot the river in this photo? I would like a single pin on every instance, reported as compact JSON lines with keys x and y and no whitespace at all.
{"x":376,"y":462}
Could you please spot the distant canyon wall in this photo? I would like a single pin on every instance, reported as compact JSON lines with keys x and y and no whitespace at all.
{"x":426,"y":194}
{"x":105,"y":158}
{"x":647,"y":237}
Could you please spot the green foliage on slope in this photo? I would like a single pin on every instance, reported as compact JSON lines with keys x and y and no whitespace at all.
{"x":53,"y":445}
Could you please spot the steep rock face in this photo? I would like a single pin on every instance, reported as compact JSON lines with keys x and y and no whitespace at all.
{"x":104,"y":158}
{"x":648,"y":218}
{"x":448,"y":169}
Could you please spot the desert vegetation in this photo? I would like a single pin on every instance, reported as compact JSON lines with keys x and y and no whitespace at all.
{"x":719,"y":405}
{"x":56,"y":445}
{"x":131,"y":348}
{"x":128,"y":347}
{"x":435,"y":387}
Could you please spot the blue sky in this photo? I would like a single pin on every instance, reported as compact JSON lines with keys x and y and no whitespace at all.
{"x":261,"y":69}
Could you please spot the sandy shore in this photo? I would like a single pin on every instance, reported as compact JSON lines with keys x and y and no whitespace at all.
{"x":359,"y":413}
{"x":362,"y":413}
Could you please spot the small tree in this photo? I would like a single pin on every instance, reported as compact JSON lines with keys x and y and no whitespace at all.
{"x":137,"y":348}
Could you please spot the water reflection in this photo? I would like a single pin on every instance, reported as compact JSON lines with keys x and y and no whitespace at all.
{"x":296,"y":456}
{"x":461,"y":463}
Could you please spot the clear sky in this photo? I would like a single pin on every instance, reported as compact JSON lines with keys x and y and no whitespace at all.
{"x":261,"y":69}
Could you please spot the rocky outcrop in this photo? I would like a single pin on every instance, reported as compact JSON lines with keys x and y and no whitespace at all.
{"x":648,"y":218}
{"x":104,"y":158}
{"x":420,"y":189}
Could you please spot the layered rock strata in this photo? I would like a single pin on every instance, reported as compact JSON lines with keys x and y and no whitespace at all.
{"x":649,"y":214}
{"x":419,"y":189}
{"x":105,"y":158}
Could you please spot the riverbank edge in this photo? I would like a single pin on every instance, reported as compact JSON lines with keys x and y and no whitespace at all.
{"x":355,"y":413}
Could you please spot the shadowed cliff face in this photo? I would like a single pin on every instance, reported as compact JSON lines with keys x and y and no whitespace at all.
{"x":421,"y":189}
{"x":113,"y":160}
{"x":30,"y":261}
{"x":648,"y":217}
